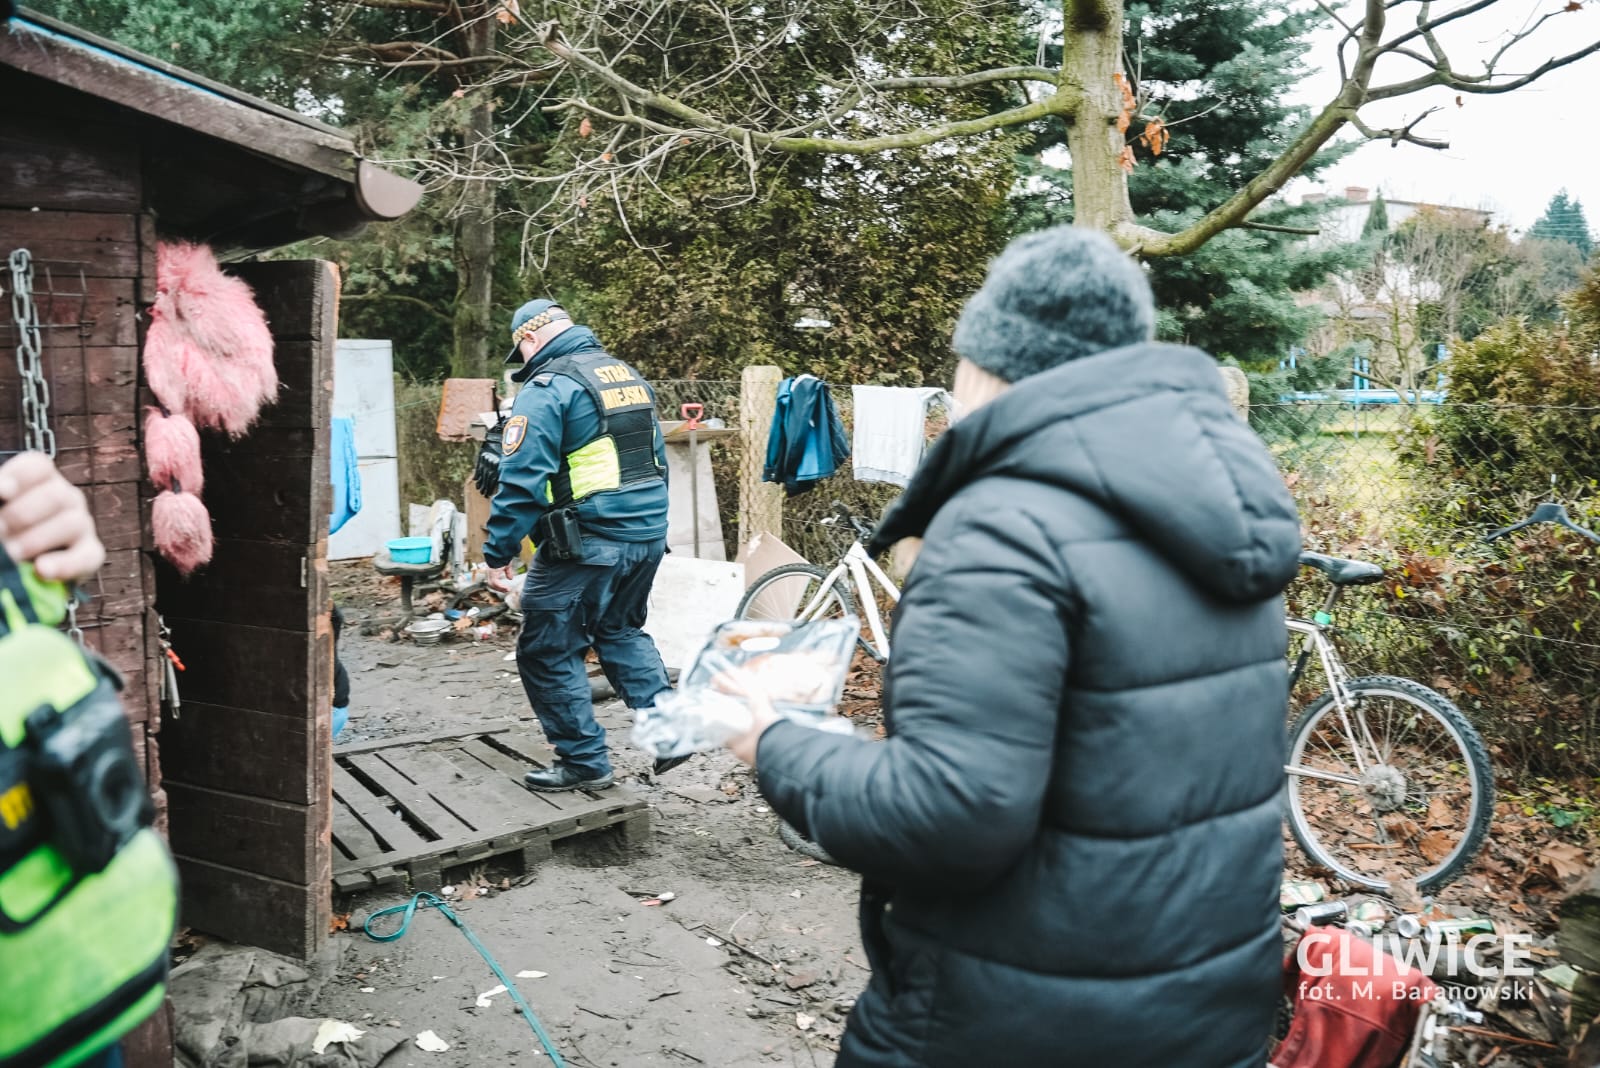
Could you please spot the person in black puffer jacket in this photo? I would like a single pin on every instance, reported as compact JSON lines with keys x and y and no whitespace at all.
{"x":1070,"y":839}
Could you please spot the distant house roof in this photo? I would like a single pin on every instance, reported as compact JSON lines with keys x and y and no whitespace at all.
{"x":316,"y":182}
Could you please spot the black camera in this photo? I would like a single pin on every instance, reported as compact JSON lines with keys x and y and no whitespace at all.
{"x":86,"y":780}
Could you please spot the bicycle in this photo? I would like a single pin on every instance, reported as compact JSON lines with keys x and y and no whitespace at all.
{"x":805,"y":592}
{"x":1384,"y":775}
{"x":1373,"y":749}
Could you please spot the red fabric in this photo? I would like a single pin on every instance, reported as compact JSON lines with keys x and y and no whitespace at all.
{"x":1361,"y":1014}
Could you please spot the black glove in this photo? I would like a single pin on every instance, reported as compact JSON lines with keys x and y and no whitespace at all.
{"x":486,"y":473}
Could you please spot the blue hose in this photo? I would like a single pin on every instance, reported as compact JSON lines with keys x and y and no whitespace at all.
{"x":429,"y":901}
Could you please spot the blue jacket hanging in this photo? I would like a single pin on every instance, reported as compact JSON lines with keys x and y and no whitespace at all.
{"x":807,"y":441}
{"x":345,"y":473}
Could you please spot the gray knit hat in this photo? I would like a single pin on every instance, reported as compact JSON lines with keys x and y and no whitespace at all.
{"x":1053,"y":296}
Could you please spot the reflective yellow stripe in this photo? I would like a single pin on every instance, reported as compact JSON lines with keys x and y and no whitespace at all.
{"x":595,"y":468}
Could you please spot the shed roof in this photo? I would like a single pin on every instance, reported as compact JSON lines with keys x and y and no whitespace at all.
{"x":316,"y":181}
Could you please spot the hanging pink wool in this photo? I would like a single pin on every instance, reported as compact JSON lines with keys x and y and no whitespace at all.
{"x":182,"y":529}
{"x":165,"y":358}
{"x":222,"y":395}
{"x":172,"y":451}
{"x":219,"y":314}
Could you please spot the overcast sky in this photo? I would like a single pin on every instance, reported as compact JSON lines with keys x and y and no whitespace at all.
{"x":1508,"y":153}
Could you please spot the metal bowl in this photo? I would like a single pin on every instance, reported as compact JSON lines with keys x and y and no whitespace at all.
{"x":428,"y":631}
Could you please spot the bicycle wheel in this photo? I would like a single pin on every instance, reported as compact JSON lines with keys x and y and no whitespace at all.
{"x":784,"y":592}
{"x":801,"y":844}
{"x":1397,"y":785}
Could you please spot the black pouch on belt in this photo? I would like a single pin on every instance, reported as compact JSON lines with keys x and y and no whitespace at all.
{"x":557,"y":534}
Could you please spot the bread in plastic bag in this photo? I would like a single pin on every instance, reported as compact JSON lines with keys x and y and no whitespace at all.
{"x":799,"y":667}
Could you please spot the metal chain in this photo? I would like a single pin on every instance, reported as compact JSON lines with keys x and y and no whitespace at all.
{"x":35,"y":390}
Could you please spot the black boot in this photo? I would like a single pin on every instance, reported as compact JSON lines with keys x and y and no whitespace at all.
{"x":559,"y":778}
{"x":668,"y":764}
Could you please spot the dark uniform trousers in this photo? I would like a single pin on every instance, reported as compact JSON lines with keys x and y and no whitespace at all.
{"x":570,"y":606}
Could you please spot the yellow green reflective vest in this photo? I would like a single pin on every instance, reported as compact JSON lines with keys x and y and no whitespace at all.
{"x":87,"y":914}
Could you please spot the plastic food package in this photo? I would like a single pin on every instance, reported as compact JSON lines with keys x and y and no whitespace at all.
{"x":800,"y":668}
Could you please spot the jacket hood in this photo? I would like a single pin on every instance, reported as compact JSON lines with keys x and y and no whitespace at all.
{"x":1147,"y":433}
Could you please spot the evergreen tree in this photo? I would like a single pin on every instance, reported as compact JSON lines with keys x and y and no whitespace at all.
{"x":1377,"y":224}
{"x":1219,"y":73}
{"x":1564,"y":220}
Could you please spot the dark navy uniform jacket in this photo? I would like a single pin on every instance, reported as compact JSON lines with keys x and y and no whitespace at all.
{"x":562,"y":417}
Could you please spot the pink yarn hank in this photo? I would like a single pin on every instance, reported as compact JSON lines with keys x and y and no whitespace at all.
{"x":172,"y":452}
{"x":182,"y":529}
{"x":219,"y":315}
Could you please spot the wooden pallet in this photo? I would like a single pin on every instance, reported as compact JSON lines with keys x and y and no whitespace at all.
{"x":415,"y":806}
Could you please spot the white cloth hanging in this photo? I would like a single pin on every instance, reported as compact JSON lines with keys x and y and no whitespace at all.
{"x":891,"y":429}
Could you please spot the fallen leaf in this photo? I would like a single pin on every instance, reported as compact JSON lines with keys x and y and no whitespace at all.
{"x":1404,"y":893}
{"x":1439,"y":813}
{"x":1435,"y":846}
{"x":1574,"y":5}
{"x":334,"y":1031}
{"x":804,"y":1022}
{"x":431,"y":1043}
{"x":1566,"y":862}
{"x":340,"y":922}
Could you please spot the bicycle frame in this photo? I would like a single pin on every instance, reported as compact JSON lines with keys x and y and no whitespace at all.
{"x":862,"y":570}
{"x":1318,"y":642}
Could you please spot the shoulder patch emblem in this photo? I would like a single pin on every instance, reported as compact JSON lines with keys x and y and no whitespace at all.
{"x":515,"y":433}
{"x":543,"y":380}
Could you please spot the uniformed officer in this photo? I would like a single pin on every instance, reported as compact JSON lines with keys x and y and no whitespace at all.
{"x":583,"y":473}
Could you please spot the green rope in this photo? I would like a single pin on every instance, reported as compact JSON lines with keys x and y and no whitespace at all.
{"x":429,"y":901}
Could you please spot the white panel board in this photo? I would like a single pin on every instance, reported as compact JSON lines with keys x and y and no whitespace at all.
{"x":363,"y":390}
{"x":690,"y":598}
{"x":681,"y":491}
{"x":379,"y":518}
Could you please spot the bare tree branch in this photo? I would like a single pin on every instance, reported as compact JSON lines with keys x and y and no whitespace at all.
{"x":1395,"y":135}
{"x":860,"y":108}
{"x":403,"y":298}
{"x":431,"y":6}
{"x":1274,"y":228}
{"x":967,"y":81}
{"x":1480,"y":84}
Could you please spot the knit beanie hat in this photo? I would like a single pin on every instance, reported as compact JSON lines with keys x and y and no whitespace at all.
{"x":1053,"y":296}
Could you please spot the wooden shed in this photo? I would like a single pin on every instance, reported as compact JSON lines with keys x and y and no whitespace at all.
{"x":104,"y":152}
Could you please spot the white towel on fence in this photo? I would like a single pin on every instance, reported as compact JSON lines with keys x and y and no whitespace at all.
{"x":891,"y":431}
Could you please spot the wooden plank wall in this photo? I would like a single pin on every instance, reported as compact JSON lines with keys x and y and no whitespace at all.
{"x":70,"y":193}
{"x":248,"y":763}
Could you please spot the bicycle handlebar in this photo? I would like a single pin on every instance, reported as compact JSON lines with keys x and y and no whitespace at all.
{"x":862,"y":528}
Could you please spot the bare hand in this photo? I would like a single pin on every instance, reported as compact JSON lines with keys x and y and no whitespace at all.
{"x":45,"y":519}
{"x":762,"y":714}
{"x":499,"y":579}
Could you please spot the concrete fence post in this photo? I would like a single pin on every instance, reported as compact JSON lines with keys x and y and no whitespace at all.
{"x":760,"y":503}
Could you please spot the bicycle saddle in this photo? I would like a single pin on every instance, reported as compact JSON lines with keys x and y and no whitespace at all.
{"x":1343,"y":572}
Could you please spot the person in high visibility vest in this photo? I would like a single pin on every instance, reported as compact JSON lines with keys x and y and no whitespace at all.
{"x":88,"y":893}
{"x":583,"y":473}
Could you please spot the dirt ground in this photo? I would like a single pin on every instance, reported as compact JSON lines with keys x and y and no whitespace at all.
{"x":627,"y":983}
{"x":754,"y":960}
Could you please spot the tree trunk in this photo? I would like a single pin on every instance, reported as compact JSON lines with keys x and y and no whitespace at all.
{"x":1090,"y":63}
{"x":474,"y":238}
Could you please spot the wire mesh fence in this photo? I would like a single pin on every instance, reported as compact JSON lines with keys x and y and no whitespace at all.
{"x":1509,"y":628}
